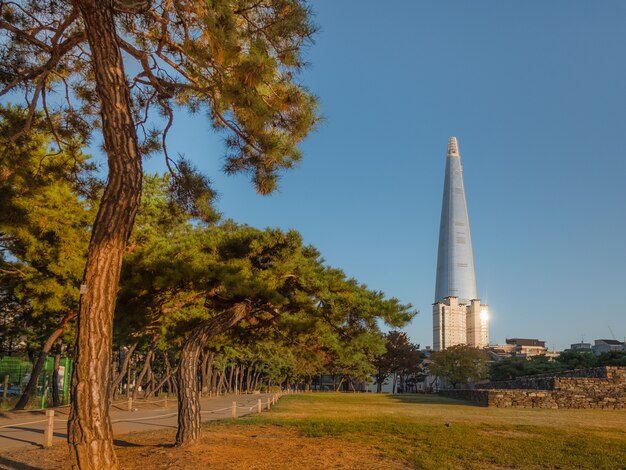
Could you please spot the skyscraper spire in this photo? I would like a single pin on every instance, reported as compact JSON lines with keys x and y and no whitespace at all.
{"x":453,"y":147}
{"x":458,"y":316}
{"x":455,"y":263}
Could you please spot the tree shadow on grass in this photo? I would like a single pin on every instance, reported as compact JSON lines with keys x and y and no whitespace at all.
{"x":15,"y":465}
{"x":430,"y":399}
{"x":121,"y":443}
{"x":167,"y":445}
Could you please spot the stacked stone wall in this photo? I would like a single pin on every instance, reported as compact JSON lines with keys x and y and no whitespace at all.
{"x":598,"y":388}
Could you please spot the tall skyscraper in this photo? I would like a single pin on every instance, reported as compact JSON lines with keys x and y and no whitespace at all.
{"x":458,"y":316}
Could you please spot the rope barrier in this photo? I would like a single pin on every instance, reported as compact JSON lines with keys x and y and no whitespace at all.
{"x":35,"y":409}
{"x":139,"y":402}
{"x":144,"y":418}
{"x":22,"y":424}
{"x":215,"y":411}
{"x":132,"y":419}
{"x":145,"y":402}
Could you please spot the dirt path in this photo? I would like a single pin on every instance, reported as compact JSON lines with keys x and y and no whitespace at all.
{"x":25,"y":429}
{"x":222,"y":446}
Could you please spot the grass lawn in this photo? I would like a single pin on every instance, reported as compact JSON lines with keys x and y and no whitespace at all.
{"x":424,"y":431}
{"x":351,"y":431}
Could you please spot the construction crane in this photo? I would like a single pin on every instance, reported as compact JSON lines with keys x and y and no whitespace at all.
{"x":612,"y":334}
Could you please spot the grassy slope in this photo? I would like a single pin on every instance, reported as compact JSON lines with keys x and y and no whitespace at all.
{"x":413,"y":429}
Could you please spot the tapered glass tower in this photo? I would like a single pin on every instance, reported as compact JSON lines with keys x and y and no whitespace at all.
{"x":455,"y":263}
{"x":458,"y":315}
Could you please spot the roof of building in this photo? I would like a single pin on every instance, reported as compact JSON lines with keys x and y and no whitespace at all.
{"x":526,"y":342}
{"x":613,"y":342}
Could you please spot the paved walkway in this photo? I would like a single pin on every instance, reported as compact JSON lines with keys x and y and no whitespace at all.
{"x":25,"y":429}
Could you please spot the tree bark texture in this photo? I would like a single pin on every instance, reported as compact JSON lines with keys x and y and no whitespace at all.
{"x":188,"y":395}
{"x":47,"y":346}
{"x":89,"y":427}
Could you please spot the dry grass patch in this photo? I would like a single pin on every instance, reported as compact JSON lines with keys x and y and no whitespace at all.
{"x":222,"y":446}
{"x":345,"y":431}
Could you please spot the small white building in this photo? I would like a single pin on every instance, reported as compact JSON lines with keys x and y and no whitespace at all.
{"x":607,"y":345}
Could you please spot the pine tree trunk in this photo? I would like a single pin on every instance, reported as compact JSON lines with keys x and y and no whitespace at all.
{"x":188,"y":396}
{"x":128,"y":381}
{"x":160,"y":384}
{"x":255,"y":378}
{"x":220,"y":383}
{"x":144,"y":371}
{"x":89,"y":426}
{"x":166,"y":379}
{"x":124,"y":367}
{"x":209,"y":372}
{"x":34,"y":375}
{"x":230,"y":379}
{"x":149,"y":380}
{"x":214,"y":377}
{"x":248,"y":378}
{"x":203,"y":374}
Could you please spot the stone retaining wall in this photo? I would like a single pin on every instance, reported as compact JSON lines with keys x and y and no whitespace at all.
{"x":602,"y":387}
{"x":614,"y":375}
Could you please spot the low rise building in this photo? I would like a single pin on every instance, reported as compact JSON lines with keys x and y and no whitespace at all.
{"x":581,"y":347}
{"x":607,"y":345}
{"x":520,"y":347}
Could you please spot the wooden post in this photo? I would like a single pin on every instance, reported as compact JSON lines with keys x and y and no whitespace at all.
{"x":5,"y":391}
{"x":165,"y":402}
{"x":259,"y":406}
{"x":234,"y":413}
{"x":269,"y":404}
{"x":130,"y":403}
{"x":48,"y":432}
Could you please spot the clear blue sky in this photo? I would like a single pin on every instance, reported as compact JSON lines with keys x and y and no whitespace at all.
{"x":535,"y":93}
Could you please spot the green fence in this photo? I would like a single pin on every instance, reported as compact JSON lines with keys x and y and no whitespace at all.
{"x":15,"y":373}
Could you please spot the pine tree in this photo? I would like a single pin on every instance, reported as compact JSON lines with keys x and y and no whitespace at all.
{"x":117,"y":61}
{"x":48,"y":207}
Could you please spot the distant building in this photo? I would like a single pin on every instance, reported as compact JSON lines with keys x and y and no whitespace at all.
{"x":500,"y":351}
{"x":525,"y":347}
{"x":581,"y":347}
{"x":458,"y":316}
{"x":459,"y":323}
{"x":520,"y":347}
{"x":607,"y":345}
